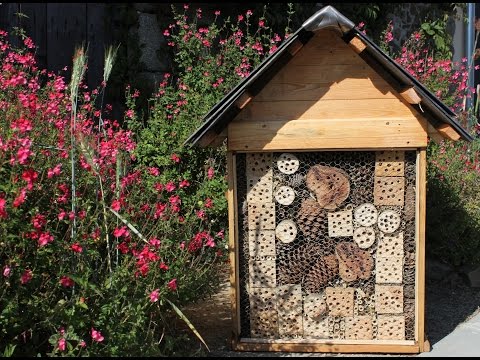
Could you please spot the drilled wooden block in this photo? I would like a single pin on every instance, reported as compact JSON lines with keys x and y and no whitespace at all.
{"x":288,"y":163}
{"x":262,"y":273}
{"x":389,"y":221}
{"x":290,"y":325}
{"x":258,"y":164}
{"x":315,"y":306}
{"x":389,"y":299}
{"x":366,"y":214}
{"x":284,"y":195}
{"x":261,"y":216}
{"x":289,"y":299}
{"x":390,"y":244}
{"x":261,"y":243}
{"x":260,"y":188}
{"x":389,"y":163}
{"x":364,"y":236}
{"x":359,"y":328}
{"x":340,"y":301}
{"x":286,"y":231}
{"x":340,"y":223}
{"x":391,"y":327}
{"x":389,"y":190}
{"x":264,"y":324}
{"x":389,"y":270}
{"x":262,"y":299}
{"x":317,"y":329}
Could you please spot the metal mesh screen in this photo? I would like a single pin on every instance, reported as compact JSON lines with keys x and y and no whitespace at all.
{"x":327,"y":245}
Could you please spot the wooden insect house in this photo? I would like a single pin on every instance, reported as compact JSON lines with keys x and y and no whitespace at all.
{"x":326,"y":144}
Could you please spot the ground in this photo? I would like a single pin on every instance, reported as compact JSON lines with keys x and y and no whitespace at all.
{"x":449,"y":302}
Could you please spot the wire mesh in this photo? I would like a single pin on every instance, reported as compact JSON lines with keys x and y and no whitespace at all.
{"x":334,"y":231}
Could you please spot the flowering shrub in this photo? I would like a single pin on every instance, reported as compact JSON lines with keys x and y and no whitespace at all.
{"x":453,"y":171}
{"x":104,"y":228}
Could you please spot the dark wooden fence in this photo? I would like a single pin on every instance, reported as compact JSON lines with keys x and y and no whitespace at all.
{"x":58,"y":28}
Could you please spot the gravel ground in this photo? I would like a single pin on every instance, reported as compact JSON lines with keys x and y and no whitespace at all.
{"x":449,"y":302}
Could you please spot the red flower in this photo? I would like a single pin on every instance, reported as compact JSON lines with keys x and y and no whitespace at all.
{"x":76,"y":248}
{"x":26,"y":276}
{"x":172,"y":284}
{"x":154,"y":295}
{"x":96,"y":335}
{"x":66,"y":281}
{"x":175,"y":158}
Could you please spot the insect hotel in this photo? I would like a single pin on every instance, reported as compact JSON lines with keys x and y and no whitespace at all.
{"x":326,"y":144}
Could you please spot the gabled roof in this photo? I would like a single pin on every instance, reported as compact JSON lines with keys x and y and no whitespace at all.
{"x":434,"y":110}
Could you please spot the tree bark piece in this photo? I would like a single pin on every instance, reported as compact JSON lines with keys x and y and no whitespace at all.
{"x":330,"y":185}
{"x":353,"y":262}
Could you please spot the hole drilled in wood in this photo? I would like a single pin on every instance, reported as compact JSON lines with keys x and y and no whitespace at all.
{"x":366,"y":214}
{"x":261,"y":243}
{"x":390,"y":245}
{"x":391,"y":327}
{"x":389,"y":221}
{"x":340,"y":223}
{"x":288,"y":163}
{"x":262,"y":273}
{"x":389,"y":270}
{"x":340,"y":301}
{"x":262,"y":299}
{"x":286,"y":231}
{"x":261,"y":216}
{"x":389,"y":163}
{"x":359,"y":328}
{"x":389,"y":299}
{"x":389,"y":190}
{"x":284,"y":195}
{"x":258,"y":164}
{"x":364,"y":236}
{"x":260,"y":188}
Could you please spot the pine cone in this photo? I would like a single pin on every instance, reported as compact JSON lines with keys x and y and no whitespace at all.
{"x":312,"y":220}
{"x":319,"y":275}
{"x":294,"y":261}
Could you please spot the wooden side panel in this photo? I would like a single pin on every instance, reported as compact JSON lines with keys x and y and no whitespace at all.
{"x":232,"y":248}
{"x":328,"y":133}
{"x":420,"y":260}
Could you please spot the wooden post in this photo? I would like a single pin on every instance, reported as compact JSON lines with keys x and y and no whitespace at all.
{"x":420,"y":258}
{"x":232,"y":247}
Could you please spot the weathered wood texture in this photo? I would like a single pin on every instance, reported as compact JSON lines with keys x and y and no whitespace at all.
{"x":327,"y":97}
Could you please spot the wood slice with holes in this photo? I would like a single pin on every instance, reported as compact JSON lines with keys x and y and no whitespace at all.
{"x":264,"y":324}
{"x":340,"y":301}
{"x":353,"y":262}
{"x":391,"y":327}
{"x":389,"y":270}
{"x":340,"y":223}
{"x":366,"y":214}
{"x":288,"y":163}
{"x":261,"y":216}
{"x":389,"y":163}
{"x":389,"y":299}
{"x":320,"y":274}
{"x":364,"y":236}
{"x":389,"y":190}
{"x":312,"y":220}
{"x":261,"y":243}
{"x":359,"y":328}
{"x":390,"y":245}
{"x":315,"y":306}
{"x":330,"y":185}
{"x":262,"y":273}
{"x":284,"y":195}
{"x":389,"y":221}
{"x":286,"y":231}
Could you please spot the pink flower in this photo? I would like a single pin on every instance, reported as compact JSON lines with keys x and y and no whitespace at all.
{"x":20,"y":199}
{"x":163,"y":266}
{"x":175,"y":158}
{"x":115,"y":205}
{"x":217,"y":13}
{"x":65,"y":281}
{"x":200,"y":214}
{"x":61,"y":215}
{"x":76,"y":248}
{"x":155,"y":242}
{"x":170,"y":186}
{"x":210,"y":173}
{"x":3,"y":212}
{"x":154,"y":295}
{"x":119,"y":232}
{"x":153,"y":171}
{"x":221,"y":234}
{"x":172,"y":284}
{"x":261,"y":23}
{"x":184,"y":183}
{"x":96,"y":335}
{"x":62,"y":344}
{"x":7,"y":271}
{"x":82,"y":343}
{"x":26,"y":276}
{"x":44,"y":239}
{"x":249,"y":13}
{"x":208,"y":203}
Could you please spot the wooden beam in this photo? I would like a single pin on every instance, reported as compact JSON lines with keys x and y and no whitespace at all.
{"x":232,"y":241}
{"x":327,"y":347}
{"x":357,"y":44}
{"x":295,"y":47}
{"x":325,"y":134}
{"x":411,"y":96}
{"x":243,"y":100}
{"x":448,"y":132}
{"x":421,"y":200}
{"x":434,"y":134}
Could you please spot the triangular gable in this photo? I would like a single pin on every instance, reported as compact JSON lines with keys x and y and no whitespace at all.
{"x":307,"y":47}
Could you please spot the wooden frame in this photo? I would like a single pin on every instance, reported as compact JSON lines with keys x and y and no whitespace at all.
{"x":420,"y":344}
